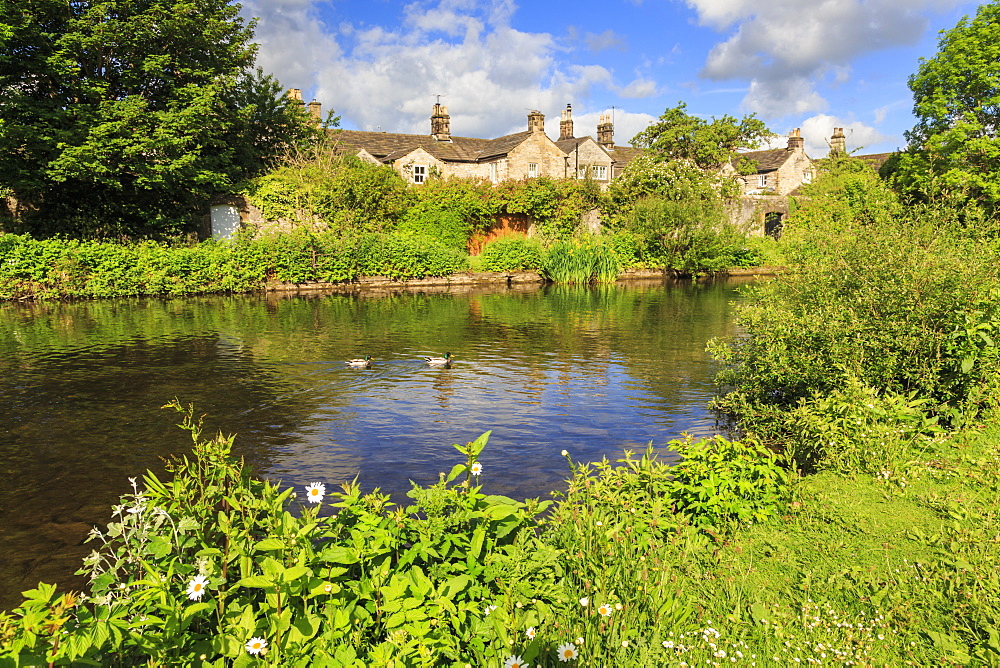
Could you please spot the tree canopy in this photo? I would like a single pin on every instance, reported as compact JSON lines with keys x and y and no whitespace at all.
{"x":678,"y":135}
{"x":123,"y":117}
{"x":954,"y":149}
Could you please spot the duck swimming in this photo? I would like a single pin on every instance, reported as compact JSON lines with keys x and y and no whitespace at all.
{"x":360,"y":363}
{"x":439,"y":361}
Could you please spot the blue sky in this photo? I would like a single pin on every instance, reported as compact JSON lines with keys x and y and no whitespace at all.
{"x":809,"y":64}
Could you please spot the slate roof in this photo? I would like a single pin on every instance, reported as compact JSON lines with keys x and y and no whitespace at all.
{"x":388,"y":146}
{"x":767,"y":161}
{"x":876,"y":160}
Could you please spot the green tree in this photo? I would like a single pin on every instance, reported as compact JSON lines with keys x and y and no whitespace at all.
{"x":954,"y":149}
{"x":678,"y":135}
{"x":123,"y":117}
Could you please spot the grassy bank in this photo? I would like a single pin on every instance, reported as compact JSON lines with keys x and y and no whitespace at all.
{"x":60,"y":269}
{"x":725,"y":560}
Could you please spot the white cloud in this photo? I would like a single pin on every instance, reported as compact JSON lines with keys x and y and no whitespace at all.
{"x":639,"y":88}
{"x":786,"y":47}
{"x":816,"y":130}
{"x":608,"y":39}
{"x":466,"y":50}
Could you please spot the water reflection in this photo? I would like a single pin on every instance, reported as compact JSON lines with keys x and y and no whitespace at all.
{"x":593,"y":371}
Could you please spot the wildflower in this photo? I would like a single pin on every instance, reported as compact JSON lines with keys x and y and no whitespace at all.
{"x":579,"y":641}
{"x":197,"y":587}
{"x":477,"y":468}
{"x":618,"y":606}
{"x":256,"y":645}
{"x":567,"y":652}
{"x":514,"y":662}
{"x":669,"y":644}
{"x":585,"y":601}
{"x":530,"y":633}
{"x":328,"y":588}
{"x":604,"y":609}
{"x":721,"y":654}
{"x":489,"y":609}
{"x":624,"y":643}
{"x":564,"y":453}
{"x":315,"y":492}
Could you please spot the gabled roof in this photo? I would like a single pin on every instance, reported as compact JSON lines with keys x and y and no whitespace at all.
{"x":767,"y":161}
{"x":389,"y":146}
{"x":876,"y":160}
{"x":622,"y":155}
{"x":569,"y":145}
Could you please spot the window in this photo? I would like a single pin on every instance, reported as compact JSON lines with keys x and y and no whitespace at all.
{"x":532,"y":169}
{"x":581,"y":172}
{"x":600,"y":172}
{"x":807,"y":176}
{"x":762,"y":180}
{"x":493,"y":172}
{"x":419,"y":173}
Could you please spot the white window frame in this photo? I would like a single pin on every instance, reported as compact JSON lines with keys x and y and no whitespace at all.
{"x":493,"y":172}
{"x":599,"y":172}
{"x":532,"y":170}
{"x":807,"y":176}
{"x":762,"y":180}
{"x":419,"y":173}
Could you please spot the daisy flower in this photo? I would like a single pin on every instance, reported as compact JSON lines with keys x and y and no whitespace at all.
{"x":477,"y":468}
{"x":585,"y":601}
{"x":489,"y":609}
{"x":567,"y":652}
{"x":197,"y":587}
{"x":256,"y":645}
{"x":315,"y":492}
{"x":604,"y":610}
{"x":514,"y":662}
{"x":530,"y":633}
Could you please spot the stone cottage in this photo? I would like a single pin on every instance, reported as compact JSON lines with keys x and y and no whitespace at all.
{"x":522,"y":155}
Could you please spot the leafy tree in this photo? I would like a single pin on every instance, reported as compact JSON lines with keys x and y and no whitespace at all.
{"x":125,"y":116}
{"x":678,"y":135}
{"x":954,"y":149}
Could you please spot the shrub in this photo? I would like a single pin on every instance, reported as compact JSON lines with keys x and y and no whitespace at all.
{"x":512,"y":253}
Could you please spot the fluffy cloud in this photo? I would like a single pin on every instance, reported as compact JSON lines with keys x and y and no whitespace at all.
{"x":816,"y":131}
{"x":786,"y":47}
{"x":487,"y":72}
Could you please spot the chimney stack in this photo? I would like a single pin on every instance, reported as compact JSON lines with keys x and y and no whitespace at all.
{"x":606,"y":132}
{"x":566,"y":124}
{"x":316,"y":111}
{"x":440,"y":123}
{"x":295,"y":94}
{"x":795,"y":140}
{"x":838,"y":142}
{"x":536,"y":121}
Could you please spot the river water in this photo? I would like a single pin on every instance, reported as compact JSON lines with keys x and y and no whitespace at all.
{"x":590,"y":370}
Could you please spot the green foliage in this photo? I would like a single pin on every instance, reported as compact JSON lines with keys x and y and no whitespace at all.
{"x":124,"y":119}
{"x":555,"y":204}
{"x":707,"y":144}
{"x":451,"y":210}
{"x":341,"y":193}
{"x":581,"y":260}
{"x":719,"y":481}
{"x":514,"y":252}
{"x":900,"y":300}
{"x":688,"y":235}
{"x":954,"y":150}
{"x":676,"y":180}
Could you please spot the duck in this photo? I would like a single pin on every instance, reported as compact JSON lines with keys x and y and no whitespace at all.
{"x":360,"y":363}
{"x":439,"y":361}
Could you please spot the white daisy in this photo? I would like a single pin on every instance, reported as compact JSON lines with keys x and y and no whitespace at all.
{"x":489,"y":609}
{"x":567,"y":652}
{"x":477,"y":468}
{"x":256,"y":645}
{"x":585,"y":601}
{"x":514,"y":662}
{"x":315,"y":492}
{"x":530,"y":633}
{"x":604,"y":610}
{"x":197,"y":587}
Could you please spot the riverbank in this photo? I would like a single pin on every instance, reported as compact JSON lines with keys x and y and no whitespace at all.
{"x":33,"y":269}
{"x":891,"y":569}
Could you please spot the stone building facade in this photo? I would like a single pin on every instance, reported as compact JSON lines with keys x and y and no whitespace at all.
{"x":522,"y":155}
